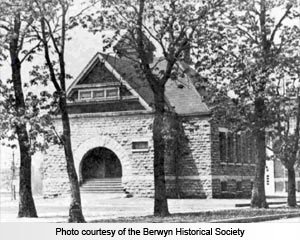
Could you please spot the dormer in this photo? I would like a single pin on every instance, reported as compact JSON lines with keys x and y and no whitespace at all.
{"x":112,"y":84}
{"x":103,"y":93}
{"x":101,"y":88}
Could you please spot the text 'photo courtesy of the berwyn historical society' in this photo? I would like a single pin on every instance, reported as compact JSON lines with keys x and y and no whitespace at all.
{"x":125,"y":114}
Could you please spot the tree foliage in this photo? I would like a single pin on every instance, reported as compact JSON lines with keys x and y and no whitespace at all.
{"x":251,"y":47}
{"x":34,"y":114}
{"x":21,"y":119}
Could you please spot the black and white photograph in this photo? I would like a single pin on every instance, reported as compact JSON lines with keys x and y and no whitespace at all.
{"x":150,"y":111}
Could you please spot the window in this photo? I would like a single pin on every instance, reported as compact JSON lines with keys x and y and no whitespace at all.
{"x":238,"y":149}
{"x":112,"y":93}
{"x":230,"y":147}
{"x":279,"y":186}
{"x":244,"y":147}
{"x":239,"y":186}
{"x":98,"y":94}
{"x":226,"y":141}
{"x":223,"y":186}
{"x":140,"y":146}
{"x":222,"y":140}
{"x":85,"y":94}
{"x":252,"y":150}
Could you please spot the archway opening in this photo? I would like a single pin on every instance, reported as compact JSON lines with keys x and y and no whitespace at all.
{"x":100,"y":163}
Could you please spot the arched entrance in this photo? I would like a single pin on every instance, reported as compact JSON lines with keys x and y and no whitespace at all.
{"x":82,"y":150}
{"x":100,"y":163}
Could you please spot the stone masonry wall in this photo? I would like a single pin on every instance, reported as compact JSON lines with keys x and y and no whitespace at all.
{"x":117,"y":132}
{"x":195,"y":165}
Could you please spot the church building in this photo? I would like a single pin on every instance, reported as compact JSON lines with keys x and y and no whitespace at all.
{"x":111,"y":116}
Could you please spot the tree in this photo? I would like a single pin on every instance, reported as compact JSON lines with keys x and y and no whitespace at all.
{"x":286,"y":148}
{"x":248,"y":46}
{"x":174,"y":27}
{"x":14,"y":24}
{"x":52,"y":32}
{"x":285,"y":133}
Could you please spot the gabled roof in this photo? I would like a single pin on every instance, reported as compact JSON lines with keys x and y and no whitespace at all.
{"x":181,"y":95}
{"x":131,"y":74}
{"x":114,"y":66}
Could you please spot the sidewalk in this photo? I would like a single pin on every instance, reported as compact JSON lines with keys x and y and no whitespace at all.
{"x":107,"y":207}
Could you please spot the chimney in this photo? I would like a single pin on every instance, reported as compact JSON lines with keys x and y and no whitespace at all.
{"x":187,"y":54}
{"x":126,"y":47}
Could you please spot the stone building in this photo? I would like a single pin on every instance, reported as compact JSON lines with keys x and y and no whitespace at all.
{"x":111,"y":116}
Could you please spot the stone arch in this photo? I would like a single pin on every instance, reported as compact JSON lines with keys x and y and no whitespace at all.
{"x":105,"y":142}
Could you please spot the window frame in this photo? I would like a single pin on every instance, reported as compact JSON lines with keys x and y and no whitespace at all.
{"x":92,"y":90}
{"x":236,"y":148}
{"x":140,"y":149}
{"x":82,"y":91}
{"x":112,"y":88}
{"x":239,"y":186}
{"x":95,"y":90}
{"x":223,"y":145}
{"x":223,"y":186}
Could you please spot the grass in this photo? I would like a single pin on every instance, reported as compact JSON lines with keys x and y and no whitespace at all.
{"x":207,"y":216}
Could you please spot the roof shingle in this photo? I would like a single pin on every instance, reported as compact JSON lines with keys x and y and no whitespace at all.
{"x":181,"y":94}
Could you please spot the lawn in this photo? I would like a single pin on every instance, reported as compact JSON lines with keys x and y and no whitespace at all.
{"x":208,"y":216}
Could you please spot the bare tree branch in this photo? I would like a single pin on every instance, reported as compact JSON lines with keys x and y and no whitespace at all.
{"x":25,"y":32}
{"x":278,"y":25}
{"x":31,"y":51}
{"x":51,"y":34}
{"x":47,"y":56}
{"x":248,"y":34}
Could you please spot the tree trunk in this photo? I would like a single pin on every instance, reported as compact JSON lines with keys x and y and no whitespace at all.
{"x":26,"y":202}
{"x":75,"y":210}
{"x":173,"y":147}
{"x":258,"y":199}
{"x":177,"y":149}
{"x":160,"y":197}
{"x":291,"y":200}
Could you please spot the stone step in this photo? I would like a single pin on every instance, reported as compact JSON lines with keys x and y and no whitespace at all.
{"x":104,"y":179}
{"x":101,"y":185}
{"x":107,"y":191}
{"x":102,"y":191}
{"x":104,"y":185}
{"x":101,"y":182}
{"x":102,"y":188}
